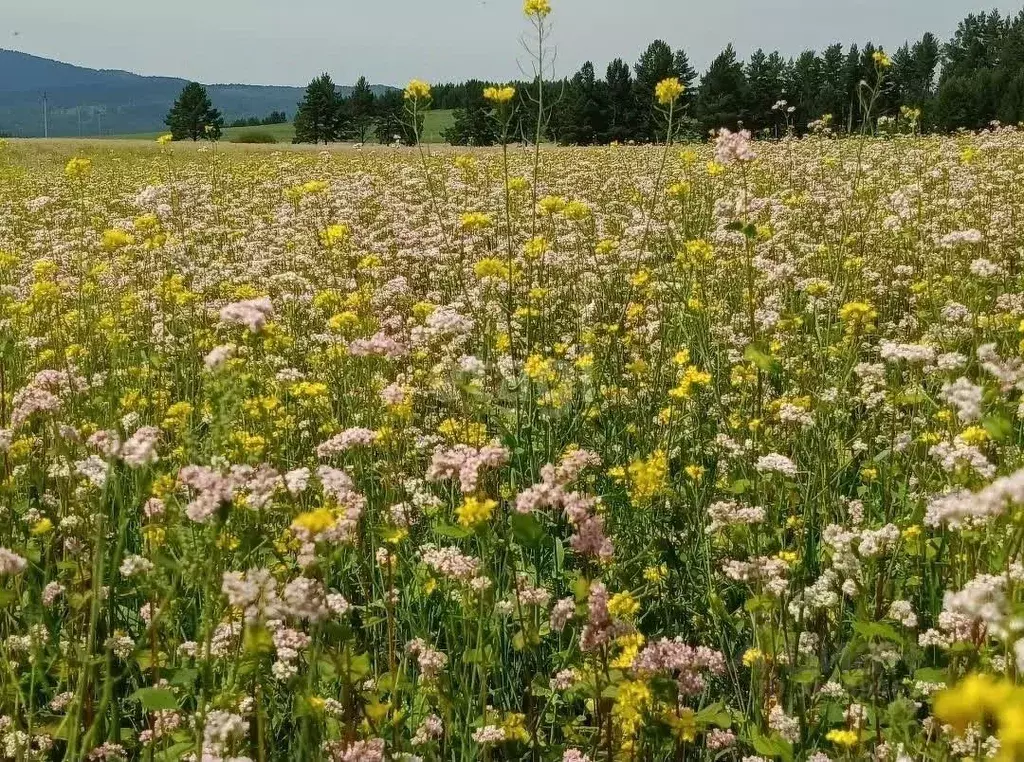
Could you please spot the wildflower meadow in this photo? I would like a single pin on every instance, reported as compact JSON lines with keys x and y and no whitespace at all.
{"x":669,"y":452}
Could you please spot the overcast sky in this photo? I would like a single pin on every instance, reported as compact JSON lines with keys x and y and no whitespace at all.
{"x":287,"y":42}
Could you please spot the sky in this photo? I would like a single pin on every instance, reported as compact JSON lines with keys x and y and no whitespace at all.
{"x":288,"y":42}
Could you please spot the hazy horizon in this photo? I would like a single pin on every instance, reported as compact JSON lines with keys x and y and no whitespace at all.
{"x":259,"y":42}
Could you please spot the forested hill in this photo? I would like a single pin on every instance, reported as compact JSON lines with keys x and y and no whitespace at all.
{"x":82,"y":101}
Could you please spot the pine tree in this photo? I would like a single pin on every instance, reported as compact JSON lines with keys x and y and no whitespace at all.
{"x":722,"y":96}
{"x":619,"y":103}
{"x":765,"y":88}
{"x":392,"y":121}
{"x":473,"y":125}
{"x":360,"y":110}
{"x":656,"y":63}
{"x":193,"y":116}
{"x":833,"y":97}
{"x":579,"y":116}
{"x":804,"y":86}
{"x":319,"y":118}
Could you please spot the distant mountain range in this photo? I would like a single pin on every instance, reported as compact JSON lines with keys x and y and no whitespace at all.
{"x":81,"y":101}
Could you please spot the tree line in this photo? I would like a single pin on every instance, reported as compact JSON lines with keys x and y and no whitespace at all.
{"x":977,"y":77}
{"x":974,"y":79}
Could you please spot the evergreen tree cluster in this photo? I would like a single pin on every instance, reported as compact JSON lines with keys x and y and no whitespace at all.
{"x":974,"y":79}
{"x":275,"y":117}
{"x":325,"y":116}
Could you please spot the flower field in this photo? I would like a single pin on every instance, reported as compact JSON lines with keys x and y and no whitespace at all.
{"x":631,"y":453}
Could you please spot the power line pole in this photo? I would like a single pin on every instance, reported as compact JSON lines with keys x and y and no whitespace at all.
{"x":46,"y":121}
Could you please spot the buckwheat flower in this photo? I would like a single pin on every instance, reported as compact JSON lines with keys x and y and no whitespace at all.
{"x":903,"y":612}
{"x":346,"y":440}
{"x":357,"y":751}
{"x":914,"y":354}
{"x":51,"y":593}
{"x":252,"y":313}
{"x":121,"y":645}
{"x":11,"y":563}
{"x":717,"y":739}
{"x":133,"y":566}
{"x":489,"y":734}
{"x":430,"y":661}
{"x":575,"y":755}
{"x":218,"y":356}
{"x":561,"y":613}
{"x":108,"y":752}
{"x":786,"y":726}
{"x":140,"y":449}
{"x":297,"y":481}
{"x":965,"y":397}
{"x":154,"y":508}
{"x":776,"y":463}
{"x":223,"y":729}
{"x":563,"y":680}
{"x":733,"y":146}
{"x":730,"y":513}
{"x":431,"y":729}
{"x":306,"y":599}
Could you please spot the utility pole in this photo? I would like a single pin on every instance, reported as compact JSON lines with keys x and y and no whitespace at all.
{"x":46,"y":121}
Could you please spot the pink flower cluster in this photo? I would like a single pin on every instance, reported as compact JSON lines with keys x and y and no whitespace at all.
{"x":687,"y":663}
{"x":466,"y":463}
{"x":590,"y":538}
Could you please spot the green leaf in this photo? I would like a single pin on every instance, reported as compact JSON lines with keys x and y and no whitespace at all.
{"x":772,"y":746}
{"x":155,"y":699}
{"x":526,"y":529}
{"x":998,"y":427}
{"x":714,"y":714}
{"x":871,"y":630}
{"x":185,"y":676}
{"x":760,"y":358}
{"x":451,"y":531}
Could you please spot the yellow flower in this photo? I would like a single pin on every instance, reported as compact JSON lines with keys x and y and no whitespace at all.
{"x":974,"y":435}
{"x":475,"y":511}
{"x":538,"y":8}
{"x":551,"y":204}
{"x":668,"y":91}
{"x":473,"y":221}
{"x":41,"y":527}
{"x":314,"y":522}
{"x":115,"y":238}
{"x":632,"y":700}
{"x":417,"y":90}
{"x":491,"y":267}
{"x":623,"y":606}
{"x":78,"y":168}
{"x":334,"y":234}
{"x":535,"y":248}
{"x":753,"y":656}
{"x":881,"y":59}
{"x":537,"y":368}
{"x":971,"y":701}
{"x":499,"y":95}
{"x":845,"y":738}
{"x":630,"y":645}
{"x":858,"y":315}
{"x":165,"y":139}
{"x":656,"y":574}
{"x":648,"y":478}
{"x":695,"y":472}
